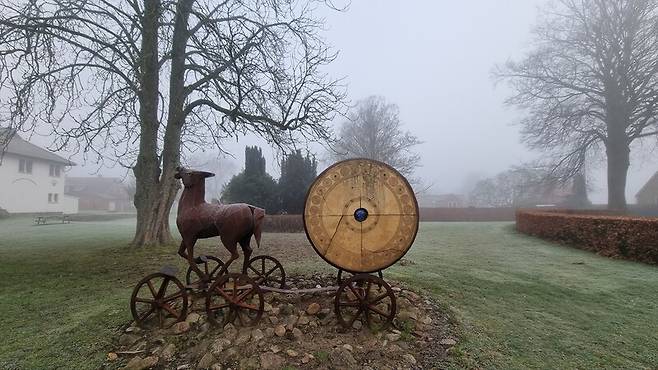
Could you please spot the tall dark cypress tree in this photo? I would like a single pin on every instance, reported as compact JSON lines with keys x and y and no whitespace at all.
{"x":297,"y":174}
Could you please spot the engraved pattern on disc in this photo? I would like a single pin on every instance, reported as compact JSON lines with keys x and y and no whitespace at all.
{"x":353,"y":243}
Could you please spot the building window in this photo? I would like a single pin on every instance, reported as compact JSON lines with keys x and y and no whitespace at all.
{"x":53,"y":198}
{"x":55,"y":170}
{"x":25,"y":166}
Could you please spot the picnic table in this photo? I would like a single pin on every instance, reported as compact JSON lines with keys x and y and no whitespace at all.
{"x":43,"y":219}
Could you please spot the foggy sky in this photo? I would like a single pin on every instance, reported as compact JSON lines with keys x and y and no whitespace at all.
{"x":433,"y":59}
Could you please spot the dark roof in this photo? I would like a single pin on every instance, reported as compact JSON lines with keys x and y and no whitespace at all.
{"x":110,"y":188}
{"x":19,"y":146}
{"x":653,"y":179}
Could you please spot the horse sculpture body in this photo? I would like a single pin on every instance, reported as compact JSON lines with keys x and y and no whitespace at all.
{"x":233,"y":223}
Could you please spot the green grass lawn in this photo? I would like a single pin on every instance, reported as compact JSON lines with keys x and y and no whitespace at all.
{"x":519,"y":302}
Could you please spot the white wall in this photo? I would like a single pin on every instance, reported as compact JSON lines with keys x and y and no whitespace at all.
{"x":28,"y":193}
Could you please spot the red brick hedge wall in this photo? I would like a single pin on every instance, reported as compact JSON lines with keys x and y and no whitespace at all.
{"x":294,"y":223}
{"x":633,"y":238}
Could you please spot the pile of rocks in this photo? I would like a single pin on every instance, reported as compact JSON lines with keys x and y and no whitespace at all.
{"x":296,"y":331}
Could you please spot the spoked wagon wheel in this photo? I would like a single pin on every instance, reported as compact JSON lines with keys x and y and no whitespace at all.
{"x":210,"y":265}
{"x":267,"y":271}
{"x":339,"y":277}
{"x":234,"y":296}
{"x":366,"y":298}
{"x":158,"y":300}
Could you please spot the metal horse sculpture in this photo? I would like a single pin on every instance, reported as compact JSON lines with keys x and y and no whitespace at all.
{"x":233,"y":223}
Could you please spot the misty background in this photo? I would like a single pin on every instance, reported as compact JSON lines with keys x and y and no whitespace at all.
{"x":434,"y":60}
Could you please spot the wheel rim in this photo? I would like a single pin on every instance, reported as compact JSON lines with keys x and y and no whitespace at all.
{"x":158,"y":300}
{"x":234,"y":297}
{"x":267,"y":271}
{"x":365,"y":298}
{"x":210,"y":267}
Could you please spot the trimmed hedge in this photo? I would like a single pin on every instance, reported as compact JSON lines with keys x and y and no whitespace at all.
{"x":283,"y":224}
{"x":603,"y":232}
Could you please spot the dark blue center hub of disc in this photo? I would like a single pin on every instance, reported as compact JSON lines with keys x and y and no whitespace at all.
{"x":361,"y":214}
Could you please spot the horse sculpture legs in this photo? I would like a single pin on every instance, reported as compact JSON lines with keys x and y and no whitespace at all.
{"x":230,"y":245}
{"x":189,"y":256}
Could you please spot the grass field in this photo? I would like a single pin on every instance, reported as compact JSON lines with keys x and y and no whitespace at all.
{"x":519,"y":302}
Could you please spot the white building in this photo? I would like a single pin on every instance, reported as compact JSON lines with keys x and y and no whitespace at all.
{"x":32,"y":179}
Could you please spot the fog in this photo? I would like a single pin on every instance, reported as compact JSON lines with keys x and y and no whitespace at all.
{"x":434,"y":60}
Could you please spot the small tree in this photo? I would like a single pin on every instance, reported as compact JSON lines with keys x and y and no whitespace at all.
{"x":253,"y":185}
{"x":374,"y":131}
{"x":297,"y":174}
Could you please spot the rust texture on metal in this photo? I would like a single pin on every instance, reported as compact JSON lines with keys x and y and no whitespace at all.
{"x":365,"y":298}
{"x":234,"y":296}
{"x":233,"y":223}
{"x":267,"y":271}
{"x":361,"y":215}
{"x":159,"y":299}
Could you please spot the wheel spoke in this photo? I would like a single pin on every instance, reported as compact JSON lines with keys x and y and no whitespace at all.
{"x":171,"y":310}
{"x":218,"y":307}
{"x":256,"y":271}
{"x":152,"y":289}
{"x":174,"y":296}
{"x":262,"y":260}
{"x":248,"y":306}
{"x":378,"y":311}
{"x":143,"y":300}
{"x":358,"y":295}
{"x":384,"y":295}
{"x":271,"y":270}
{"x":349,"y":304}
{"x":163,"y":287}
{"x":205,"y":267}
{"x":160,"y":318}
{"x":224,"y":294}
{"x":242,"y":296}
{"x":212,"y":273}
{"x":147,"y":314}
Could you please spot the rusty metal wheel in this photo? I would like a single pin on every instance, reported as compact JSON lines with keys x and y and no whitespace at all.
{"x":158,"y":300}
{"x":339,"y":277}
{"x":365,"y":298}
{"x":210,"y":265}
{"x":267,"y":271}
{"x":234,"y":296}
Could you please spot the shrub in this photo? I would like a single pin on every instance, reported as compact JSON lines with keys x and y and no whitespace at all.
{"x":283,"y":224}
{"x":603,"y":232}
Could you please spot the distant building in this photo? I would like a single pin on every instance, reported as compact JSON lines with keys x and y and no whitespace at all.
{"x":32,"y":178}
{"x":441,"y":201}
{"x":100,"y":193}
{"x":648,"y":195}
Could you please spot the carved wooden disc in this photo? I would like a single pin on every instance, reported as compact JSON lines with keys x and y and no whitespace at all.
{"x":361,"y":215}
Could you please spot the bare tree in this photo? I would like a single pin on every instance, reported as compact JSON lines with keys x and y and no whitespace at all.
{"x":516,"y":187}
{"x":374,"y":131}
{"x":141,"y":81}
{"x":590,"y":84}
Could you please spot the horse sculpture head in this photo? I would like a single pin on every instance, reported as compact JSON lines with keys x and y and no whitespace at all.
{"x":190,"y":177}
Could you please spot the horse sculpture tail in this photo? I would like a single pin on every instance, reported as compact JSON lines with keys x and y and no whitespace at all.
{"x":259,"y":217}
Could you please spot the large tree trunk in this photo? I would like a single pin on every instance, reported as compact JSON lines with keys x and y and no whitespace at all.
{"x":157,"y":189}
{"x":151,"y":200}
{"x":618,"y":163}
